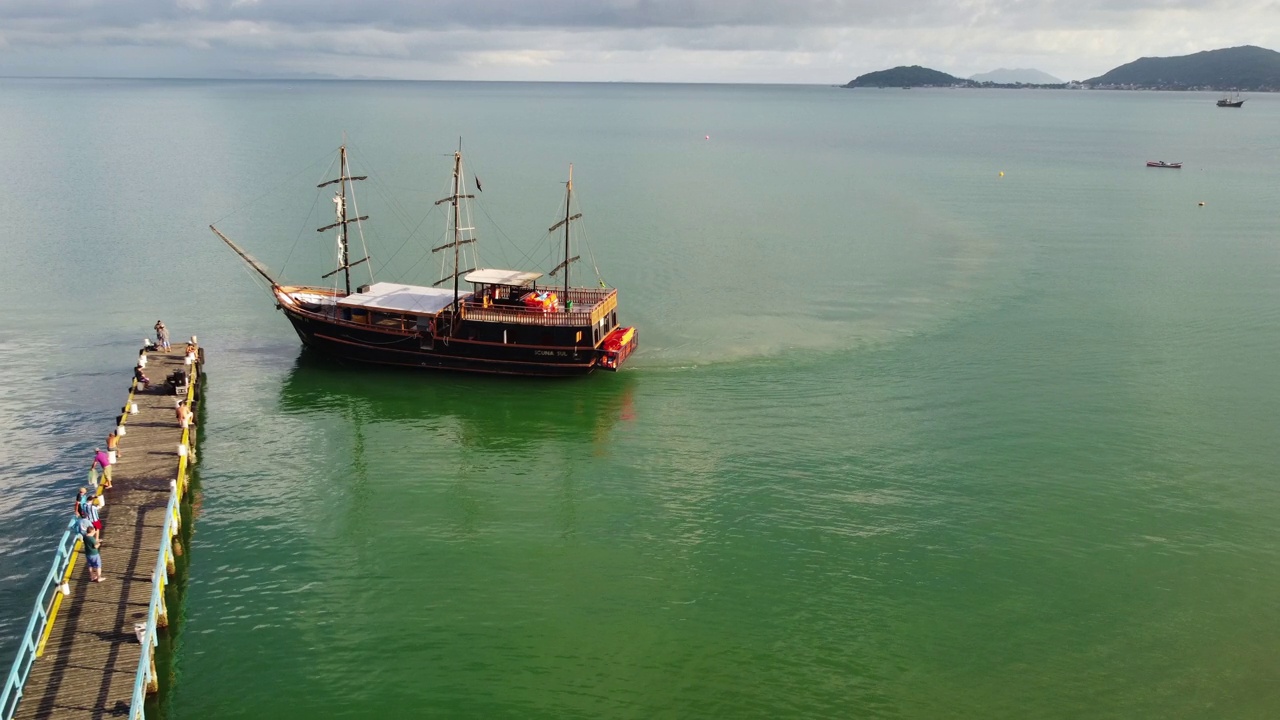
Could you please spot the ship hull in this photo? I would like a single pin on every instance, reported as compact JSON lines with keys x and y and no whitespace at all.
{"x":349,"y":342}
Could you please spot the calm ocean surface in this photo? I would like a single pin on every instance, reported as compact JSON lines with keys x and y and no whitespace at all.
{"x":904,"y":438}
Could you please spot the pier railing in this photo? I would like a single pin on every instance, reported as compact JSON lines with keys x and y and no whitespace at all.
{"x":146,"y":680}
{"x":157,"y":614}
{"x":47,"y":602}
{"x":49,"y":598}
{"x":55,"y":588}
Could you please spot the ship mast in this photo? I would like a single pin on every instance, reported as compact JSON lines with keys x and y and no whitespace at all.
{"x":340,"y":207}
{"x":568,"y":203}
{"x":458,"y":240}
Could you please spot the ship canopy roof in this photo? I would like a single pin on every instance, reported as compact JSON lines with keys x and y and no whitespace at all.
{"x":400,"y":298}
{"x":491,"y":276}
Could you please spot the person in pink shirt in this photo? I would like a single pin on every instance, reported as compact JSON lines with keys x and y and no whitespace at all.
{"x":102,"y":458}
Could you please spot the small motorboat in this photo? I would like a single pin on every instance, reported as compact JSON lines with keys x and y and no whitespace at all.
{"x":1163,"y":164}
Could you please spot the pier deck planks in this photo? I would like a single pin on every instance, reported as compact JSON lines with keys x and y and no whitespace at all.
{"x":91,"y":660}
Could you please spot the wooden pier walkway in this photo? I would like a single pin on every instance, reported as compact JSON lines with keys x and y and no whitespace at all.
{"x":90,"y":661}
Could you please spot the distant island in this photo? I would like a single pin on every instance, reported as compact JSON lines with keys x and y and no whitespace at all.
{"x":1019,"y":76}
{"x":1246,"y":68}
{"x":1238,"y":68}
{"x":917,"y":76}
{"x":903,"y":76}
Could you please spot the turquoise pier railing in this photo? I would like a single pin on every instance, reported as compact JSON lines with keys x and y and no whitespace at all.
{"x":47,"y":602}
{"x":157,"y":614}
{"x":56,"y":587}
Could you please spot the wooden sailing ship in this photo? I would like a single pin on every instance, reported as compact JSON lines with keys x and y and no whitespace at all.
{"x":505,"y":323}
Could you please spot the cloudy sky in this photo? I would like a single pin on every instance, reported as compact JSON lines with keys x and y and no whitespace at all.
{"x":788,"y":41}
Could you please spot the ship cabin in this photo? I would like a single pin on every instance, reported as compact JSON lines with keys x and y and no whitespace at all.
{"x":510,"y":303}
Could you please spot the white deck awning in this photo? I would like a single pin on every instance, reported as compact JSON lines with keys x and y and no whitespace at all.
{"x":392,"y":297}
{"x":490,"y":276}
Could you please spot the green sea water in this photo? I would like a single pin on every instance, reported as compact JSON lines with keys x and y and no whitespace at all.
{"x":905,"y":437}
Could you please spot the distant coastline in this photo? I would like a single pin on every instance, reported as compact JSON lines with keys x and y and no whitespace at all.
{"x":959,"y":84}
{"x":1248,"y":68}
{"x":1064,"y":86}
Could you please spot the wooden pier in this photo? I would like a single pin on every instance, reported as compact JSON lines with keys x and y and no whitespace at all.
{"x":89,"y":663}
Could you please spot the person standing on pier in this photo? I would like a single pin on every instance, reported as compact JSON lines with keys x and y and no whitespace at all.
{"x":113,"y":444}
{"x":103,"y":459}
{"x":81,"y":510}
{"x":86,"y":509}
{"x":162,"y":335}
{"x":91,"y":554}
{"x":185,"y":418}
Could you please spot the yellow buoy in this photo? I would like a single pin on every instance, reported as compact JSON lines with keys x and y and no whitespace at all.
{"x":1001,"y":173}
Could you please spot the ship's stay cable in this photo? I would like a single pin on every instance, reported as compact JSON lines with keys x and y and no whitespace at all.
{"x":306,"y":221}
{"x":502,"y":249}
{"x":398,"y":209}
{"x":271,"y":191}
{"x":527,"y":259}
{"x":360,"y":231}
{"x":464,"y":215}
{"x":257,"y":279}
{"x":426,"y":253}
{"x":467,"y":217}
{"x":456,"y":234}
{"x":408,"y":273}
{"x":410,"y":234}
{"x":402,"y":215}
{"x":395,"y":209}
{"x":553,"y":241}
{"x":585,"y":242}
{"x":475,"y":176}
{"x":404,"y":244}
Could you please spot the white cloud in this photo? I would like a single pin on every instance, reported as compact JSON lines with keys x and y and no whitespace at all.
{"x":820,"y":41}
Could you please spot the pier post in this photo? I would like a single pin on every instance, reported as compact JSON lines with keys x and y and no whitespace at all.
{"x":153,"y":682}
{"x":162,"y":614}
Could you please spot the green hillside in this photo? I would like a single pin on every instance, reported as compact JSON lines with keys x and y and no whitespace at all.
{"x":903,"y":76}
{"x":1238,"y":68}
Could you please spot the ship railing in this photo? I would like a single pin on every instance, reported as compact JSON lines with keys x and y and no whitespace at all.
{"x":146,"y":680}
{"x":40,"y":624}
{"x":578,"y":296}
{"x":587,"y":305}
{"x":575,"y":317}
{"x":585,"y":295}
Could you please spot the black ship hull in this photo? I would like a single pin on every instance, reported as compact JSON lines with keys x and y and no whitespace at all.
{"x":364,"y":344}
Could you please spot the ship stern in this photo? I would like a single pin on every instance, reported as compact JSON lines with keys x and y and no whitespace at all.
{"x":616,"y":347}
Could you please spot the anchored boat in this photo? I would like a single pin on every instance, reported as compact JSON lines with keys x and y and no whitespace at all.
{"x":505,"y":323}
{"x":1233,"y":101}
{"x":1163,"y":164}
